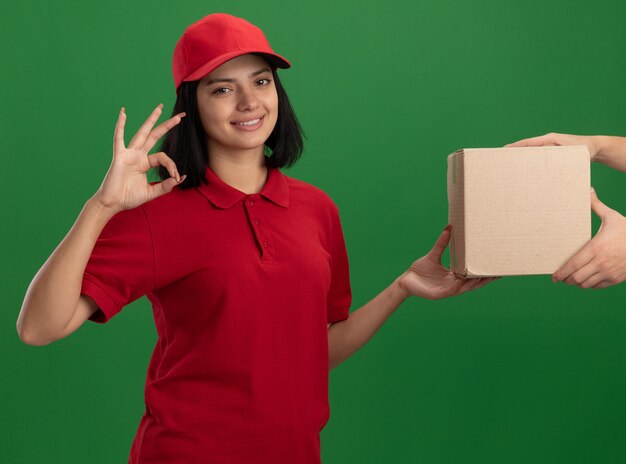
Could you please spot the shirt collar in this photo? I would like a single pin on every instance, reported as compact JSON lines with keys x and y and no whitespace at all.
{"x":224,"y":196}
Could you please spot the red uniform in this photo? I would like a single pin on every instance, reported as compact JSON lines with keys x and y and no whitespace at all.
{"x":242,"y":287}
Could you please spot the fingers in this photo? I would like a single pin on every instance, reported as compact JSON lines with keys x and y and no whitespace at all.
{"x":576,"y":262}
{"x":161,"y":159}
{"x":160,"y":130}
{"x":463,"y":285}
{"x":542,"y":140}
{"x":145,"y":138}
{"x":480,"y":282}
{"x":593,"y":280}
{"x":118,"y":135}
{"x":603,"y":284}
{"x":141,"y":135}
{"x":597,"y":206}
{"x":583,"y":274}
{"x":163,"y":187}
{"x":441,"y":244}
{"x":599,"y":273}
{"x":607,"y":275}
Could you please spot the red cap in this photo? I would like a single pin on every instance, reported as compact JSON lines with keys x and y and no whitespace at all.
{"x":215,"y":39}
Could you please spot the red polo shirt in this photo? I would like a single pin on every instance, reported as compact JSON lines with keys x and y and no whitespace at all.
{"x":242,"y":287}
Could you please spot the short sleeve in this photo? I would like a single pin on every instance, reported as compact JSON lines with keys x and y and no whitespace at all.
{"x":121,"y":267}
{"x":340,"y":293}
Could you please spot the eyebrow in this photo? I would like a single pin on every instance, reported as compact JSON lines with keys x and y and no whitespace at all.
{"x":225,"y":79}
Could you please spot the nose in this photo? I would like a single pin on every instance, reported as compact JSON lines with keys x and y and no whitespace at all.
{"x":247,"y":100}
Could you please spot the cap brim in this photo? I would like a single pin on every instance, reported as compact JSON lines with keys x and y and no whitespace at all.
{"x":273,"y":59}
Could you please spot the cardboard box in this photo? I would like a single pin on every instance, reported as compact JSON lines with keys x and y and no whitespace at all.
{"x":517,"y":211}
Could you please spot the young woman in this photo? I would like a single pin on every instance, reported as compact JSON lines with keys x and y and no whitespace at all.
{"x":245,"y":267}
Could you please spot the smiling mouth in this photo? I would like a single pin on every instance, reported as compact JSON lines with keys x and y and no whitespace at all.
{"x":250,"y":122}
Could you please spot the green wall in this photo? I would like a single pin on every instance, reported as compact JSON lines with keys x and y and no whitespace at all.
{"x":520,"y":371}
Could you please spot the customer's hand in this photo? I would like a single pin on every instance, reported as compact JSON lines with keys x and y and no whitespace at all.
{"x":606,"y":149}
{"x":602,"y":261}
{"x":552,"y":139}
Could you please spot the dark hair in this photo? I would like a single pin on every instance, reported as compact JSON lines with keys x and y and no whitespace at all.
{"x":186,"y":144}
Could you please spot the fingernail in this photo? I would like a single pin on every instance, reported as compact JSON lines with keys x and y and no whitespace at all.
{"x":182,"y":178}
{"x":182,"y":115}
{"x":123,"y":109}
{"x":160,"y":105}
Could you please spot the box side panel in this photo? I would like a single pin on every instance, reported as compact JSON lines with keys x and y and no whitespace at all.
{"x":456,"y":212}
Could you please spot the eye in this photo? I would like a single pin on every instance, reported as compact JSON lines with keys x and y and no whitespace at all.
{"x":221,"y":91}
{"x":263,"y":81}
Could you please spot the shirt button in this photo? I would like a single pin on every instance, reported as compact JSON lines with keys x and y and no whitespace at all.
{"x":256,"y":222}
{"x":265,"y":244}
{"x":250,"y":203}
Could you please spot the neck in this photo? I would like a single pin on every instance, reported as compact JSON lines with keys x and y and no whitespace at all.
{"x":243,"y":170}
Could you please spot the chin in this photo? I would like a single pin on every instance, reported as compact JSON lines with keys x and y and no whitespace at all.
{"x":246,"y":146}
{"x":251,"y":142}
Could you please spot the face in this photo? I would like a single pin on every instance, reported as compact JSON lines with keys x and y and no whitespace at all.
{"x":238,"y":105}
